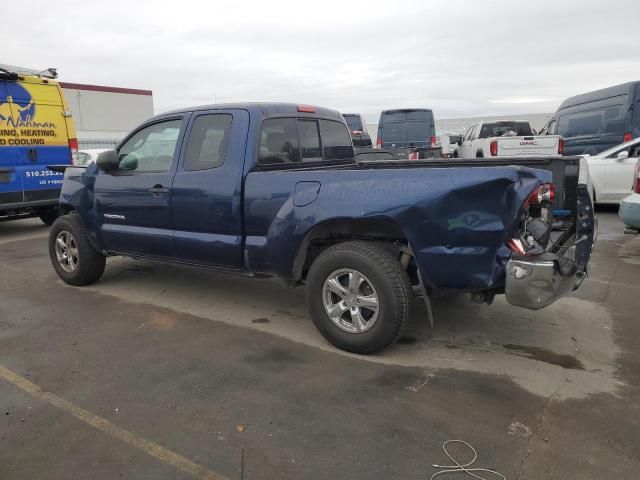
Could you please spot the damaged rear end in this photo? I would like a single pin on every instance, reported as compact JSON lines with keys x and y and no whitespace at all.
{"x":546,"y":264}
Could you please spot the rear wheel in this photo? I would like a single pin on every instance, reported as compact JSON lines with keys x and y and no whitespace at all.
{"x":359,"y":296}
{"x":74,"y":259}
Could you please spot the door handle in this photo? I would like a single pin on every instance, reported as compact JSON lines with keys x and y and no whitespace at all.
{"x":158,"y":189}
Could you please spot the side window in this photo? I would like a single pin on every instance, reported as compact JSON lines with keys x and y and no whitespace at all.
{"x":600,"y":121}
{"x":633,"y":151}
{"x":472,"y":133}
{"x":151,"y":149}
{"x":82,"y":158}
{"x":467,"y":135}
{"x":336,"y":142}
{"x":552,"y":128}
{"x":309,"y":140}
{"x":278,"y":142}
{"x":207,"y":142}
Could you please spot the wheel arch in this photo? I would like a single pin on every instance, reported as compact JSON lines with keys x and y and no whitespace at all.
{"x":336,"y":231}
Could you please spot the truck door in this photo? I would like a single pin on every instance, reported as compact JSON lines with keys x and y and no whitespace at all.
{"x":133,"y":202}
{"x":619,"y":172}
{"x":206,"y":202}
{"x":464,"y":150}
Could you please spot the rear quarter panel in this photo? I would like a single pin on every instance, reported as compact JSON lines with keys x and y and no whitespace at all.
{"x":455,"y":219}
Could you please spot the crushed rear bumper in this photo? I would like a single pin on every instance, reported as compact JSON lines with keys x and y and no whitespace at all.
{"x":537,"y":281}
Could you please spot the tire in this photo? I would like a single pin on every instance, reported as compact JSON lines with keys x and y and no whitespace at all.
{"x":383,"y":278}
{"x":89,"y":264}
{"x":49,"y":216}
{"x":479,"y":155}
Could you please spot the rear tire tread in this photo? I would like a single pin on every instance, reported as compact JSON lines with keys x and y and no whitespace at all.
{"x":393,"y":272}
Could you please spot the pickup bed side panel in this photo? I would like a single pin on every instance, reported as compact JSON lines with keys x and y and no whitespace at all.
{"x":455,"y":219}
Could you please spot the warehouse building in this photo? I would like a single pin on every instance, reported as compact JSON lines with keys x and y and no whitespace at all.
{"x":104,"y":115}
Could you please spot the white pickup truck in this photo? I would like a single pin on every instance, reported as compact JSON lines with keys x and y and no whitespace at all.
{"x":506,"y":138}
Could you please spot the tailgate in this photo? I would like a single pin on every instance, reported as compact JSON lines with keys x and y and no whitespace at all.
{"x":538,"y":145}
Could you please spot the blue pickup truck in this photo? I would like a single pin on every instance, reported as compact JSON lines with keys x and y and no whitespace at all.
{"x":275,"y":189}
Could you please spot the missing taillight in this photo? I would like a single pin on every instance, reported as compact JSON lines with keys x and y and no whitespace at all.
{"x":536,"y":222}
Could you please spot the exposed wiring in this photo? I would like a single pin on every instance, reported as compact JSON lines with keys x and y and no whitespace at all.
{"x":462,"y":467}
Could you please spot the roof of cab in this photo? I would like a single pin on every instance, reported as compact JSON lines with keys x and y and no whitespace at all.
{"x":264,"y":109}
{"x":614,"y":91}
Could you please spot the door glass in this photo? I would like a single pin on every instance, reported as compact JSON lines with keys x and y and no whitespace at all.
{"x":551,"y":128}
{"x":151,"y":149}
{"x":472,"y":132}
{"x":336,"y":143}
{"x":207,"y":143}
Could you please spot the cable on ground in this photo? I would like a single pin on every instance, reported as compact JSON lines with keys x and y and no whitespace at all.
{"x":463,"y":467}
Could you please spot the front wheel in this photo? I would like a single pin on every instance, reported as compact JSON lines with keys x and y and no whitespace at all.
{"x":359,"y":296}
{"x":74,"y":259}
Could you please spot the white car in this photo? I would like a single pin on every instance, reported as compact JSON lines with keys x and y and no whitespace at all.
{"x":612,"y":171}
{"x":85,"y":157}
{"x":507,"y":138}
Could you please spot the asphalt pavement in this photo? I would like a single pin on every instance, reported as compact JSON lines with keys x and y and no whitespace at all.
{"x":163,"y":372}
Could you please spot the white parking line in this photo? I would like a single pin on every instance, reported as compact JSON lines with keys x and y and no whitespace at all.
{"x":161,"y":453}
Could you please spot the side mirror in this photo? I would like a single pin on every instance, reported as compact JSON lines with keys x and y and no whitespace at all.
{"x":623,"y":155}
{"x":459,"y":142}
{"x":107,"y":161}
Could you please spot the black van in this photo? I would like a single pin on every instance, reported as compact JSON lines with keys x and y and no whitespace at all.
{"x":598,"y":120}
{"x":408,"y":130}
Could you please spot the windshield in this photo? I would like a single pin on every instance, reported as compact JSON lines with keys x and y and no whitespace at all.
{"x":617,"y":148}
{"x":354,"y":122}
{"x":498,"y":129}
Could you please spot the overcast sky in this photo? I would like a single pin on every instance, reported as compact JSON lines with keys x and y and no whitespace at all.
{"x":459,"y":58}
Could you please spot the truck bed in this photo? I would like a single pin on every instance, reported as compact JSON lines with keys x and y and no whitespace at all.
{"x":565,"y":171}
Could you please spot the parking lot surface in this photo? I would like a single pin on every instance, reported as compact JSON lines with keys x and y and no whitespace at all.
{"x":160,"y":371}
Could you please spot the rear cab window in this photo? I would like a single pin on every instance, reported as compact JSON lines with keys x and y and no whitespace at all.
{"x":499,"y":129}
{"x":354,"y":122}
{"x":286,"y":141}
